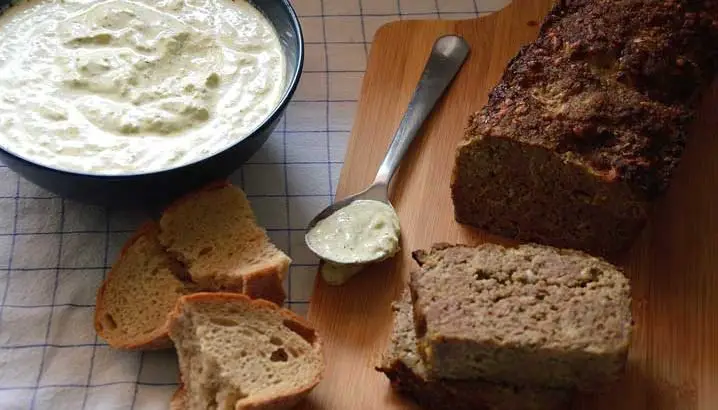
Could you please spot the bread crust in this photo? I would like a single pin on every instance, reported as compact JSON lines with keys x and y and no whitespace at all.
{"x":177,"y":402}
{"x":281,"y":402}
{"x":266,"y":283}
{"x":156,"y":340}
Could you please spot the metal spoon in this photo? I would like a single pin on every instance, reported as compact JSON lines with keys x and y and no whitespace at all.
{"x":447,"y":56}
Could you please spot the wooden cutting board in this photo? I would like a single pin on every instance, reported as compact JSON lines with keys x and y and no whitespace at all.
{"x":673,"y":362}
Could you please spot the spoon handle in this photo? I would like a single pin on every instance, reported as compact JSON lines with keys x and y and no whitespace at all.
{"x":447,"y":56}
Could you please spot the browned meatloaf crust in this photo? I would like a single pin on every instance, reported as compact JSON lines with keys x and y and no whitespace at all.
{"x":587,"y":124}
{"x":530,"y":316}
{"x":403,"y":367}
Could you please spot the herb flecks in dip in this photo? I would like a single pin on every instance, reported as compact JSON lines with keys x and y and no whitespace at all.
{"x":364,"y":230}
{"x":116,"y":87}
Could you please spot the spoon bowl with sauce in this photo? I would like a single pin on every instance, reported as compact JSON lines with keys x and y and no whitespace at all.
{"x":364,"y":228}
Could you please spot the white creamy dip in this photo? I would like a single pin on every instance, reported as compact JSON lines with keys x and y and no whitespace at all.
{"x":337,"y":275}
{"x":362,"y":231}
{"x":126,"y":86}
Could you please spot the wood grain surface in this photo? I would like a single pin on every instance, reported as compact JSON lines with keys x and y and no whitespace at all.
{"x":673,"y":363}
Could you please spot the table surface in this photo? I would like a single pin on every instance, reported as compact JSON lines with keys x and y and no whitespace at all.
{"x":54,"y":253}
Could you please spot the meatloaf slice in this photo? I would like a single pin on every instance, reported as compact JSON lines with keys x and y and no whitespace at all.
{"x":587,"y":124}
{"x":530,"y":315}
{"x":403,"y":367}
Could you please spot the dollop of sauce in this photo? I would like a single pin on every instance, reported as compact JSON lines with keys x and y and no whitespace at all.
{"x":337,"y":275}
{"x":364,"y":230}
{"x":125,"y":86}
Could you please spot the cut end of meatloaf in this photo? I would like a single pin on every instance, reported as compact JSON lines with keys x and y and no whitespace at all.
{"x":531,"y":315}
{"x":528,"y":193}
{"x":403,"y":367}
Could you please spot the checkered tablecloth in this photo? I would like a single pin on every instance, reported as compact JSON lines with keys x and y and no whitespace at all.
{"x":54,"y":253}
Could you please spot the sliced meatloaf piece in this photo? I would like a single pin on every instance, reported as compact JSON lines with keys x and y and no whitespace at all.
{"x":530,"y":315}
{"x":404,"y":368}
{"x":587,"y":124}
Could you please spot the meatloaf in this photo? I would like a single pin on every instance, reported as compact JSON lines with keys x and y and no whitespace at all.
{"x":532,"y":315}
{"x":405,"y":370}
{"x":587,"y":124}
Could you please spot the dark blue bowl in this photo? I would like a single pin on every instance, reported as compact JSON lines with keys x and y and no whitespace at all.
{"x":158,"y":188}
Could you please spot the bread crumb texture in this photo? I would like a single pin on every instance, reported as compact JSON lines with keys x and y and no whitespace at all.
{"x":215,"y":234}
{"x":238,"y":353}
{"x":208,"y":240}
{"x":141,"y":289}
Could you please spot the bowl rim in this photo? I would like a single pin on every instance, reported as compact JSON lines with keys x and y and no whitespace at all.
{"x":293,"y":83}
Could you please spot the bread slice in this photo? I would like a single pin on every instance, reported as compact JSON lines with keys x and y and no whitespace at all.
{"x":178,"y":400}
{"x":530,"y":315}
{"x":237,"y":353}
{"x":145,"y":282}
{"x":403,"y":366}
{"x":213,"y":232}
{"x":141,"y":289}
